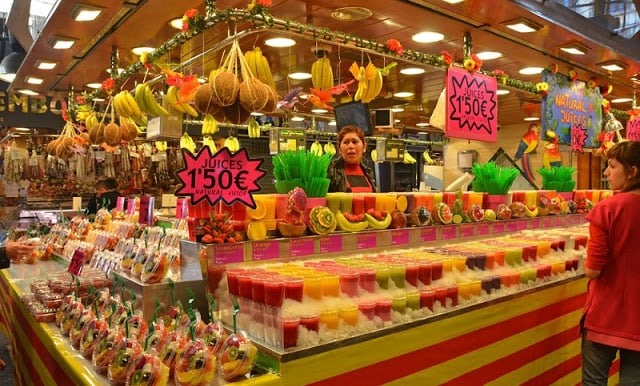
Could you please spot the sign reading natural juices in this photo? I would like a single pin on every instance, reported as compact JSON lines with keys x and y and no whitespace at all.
{"x":472,"y":105}
{"x":633,"y":128}
{"x":221,"y":176}
{"x":571,"y":107}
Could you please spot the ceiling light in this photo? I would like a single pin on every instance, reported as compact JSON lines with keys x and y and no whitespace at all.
{"x":403,"y":94}
{"x":23,"y":129}
{"x":280,"y":42}
{"x":299,"y":75}
{"x":523,"y":25}
{"x":176,"y":23}
{"x":319,"y":111}
{"x":59,"y":43}
{"x":95,"y":85}
{"x":575,"y":48}
{"x":83,"y":12}
{"x":489,"y":55}
{"x":331,"y":123}
{"x":119,"y":70}
{"x":635,"y":78}
{"x":397,"y":109}
{"x":502,"y":91}
{"x":427,"y":37}
{"x":256,"y":114}
{"x":453,"y":1}
{"x":529,"y":119}
{"x":10,"y":65}
{"x":45,"y":65}
{"x":26,"y":91}
{"x":622,"y":100}
{"x":297,"y":118}
{"x":33,"y":80}
{"x":530,"y":70}
{"x":351,"y":13}
{"x":412,"y":71}
{"x":613,"y":65}
{"x":422,"y":124}
{"x":139,"y":50}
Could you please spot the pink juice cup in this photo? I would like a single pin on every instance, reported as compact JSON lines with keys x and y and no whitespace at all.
{"x":290,"y":332}
{"x":349,"y":283}
{"x":368,"y":309}
{"x":232,"y":280}
{"x":412,"y":273}
{"x":383,"y":309}
{"x":358,"y":204}
{"x":369,"y":202}
{"x":244,"y":285}
{"x":310,"y":322}
{"x":257,"y":289}
{"x":274,"y":292}
{"x":293,"y":288}
{"x":368,"y":279}
{"x":426,"y":299}
{"x":452,"y":293}
{"x":437,"y":268}
{"x":441,"y":296}
{"x":424,"y":273}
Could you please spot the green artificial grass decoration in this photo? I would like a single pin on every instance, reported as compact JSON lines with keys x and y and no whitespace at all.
{"x":558,"y":178}
{"x":492,"y":178}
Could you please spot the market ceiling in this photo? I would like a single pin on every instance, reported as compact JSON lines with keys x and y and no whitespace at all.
{"x":133,"y":23}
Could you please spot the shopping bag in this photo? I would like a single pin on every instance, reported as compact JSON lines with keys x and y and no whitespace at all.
{"x":439,"y":115}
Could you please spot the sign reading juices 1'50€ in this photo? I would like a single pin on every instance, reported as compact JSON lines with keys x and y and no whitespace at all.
{"x":472,"y":105}
{"x":220,"y":176}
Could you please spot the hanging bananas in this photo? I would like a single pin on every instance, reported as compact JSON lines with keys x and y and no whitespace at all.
{"x":259,"y":66}
{"x":329,"y":148}
{"x":186,"y":142}
{"x":147,"y":102}
{"x":210,"y":143}
{"x":126,"y":106}
{"x":316,"y":148}
{"x":209,"y":125}
{"x":177,"y":105}
{"x":369,"y":81}
{"x":232,"y":144}
{"x":253,"y":128}
{"x":91,"y":121}
{"x":427,"y":157}
{"x":408,"y":158}
{"x":161,"y":146}
{"x":322,"y":73}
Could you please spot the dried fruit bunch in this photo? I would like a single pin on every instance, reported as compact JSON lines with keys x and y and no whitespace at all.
{"x":218,"y":229}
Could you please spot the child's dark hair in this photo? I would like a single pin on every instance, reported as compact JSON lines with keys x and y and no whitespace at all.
{"x":628,"y":154}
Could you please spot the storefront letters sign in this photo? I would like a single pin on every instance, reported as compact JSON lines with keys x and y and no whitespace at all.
{"x":221,"y":176}
{"x":570,"y":104}
{"x":633,"y":128}
{"x":31,"y":110}
{"x":472,"y":105}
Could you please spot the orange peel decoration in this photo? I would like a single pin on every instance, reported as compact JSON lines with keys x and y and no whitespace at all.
{"x":553,"y":68}
{"x":606,"y":89}
{"x":606,"y":105}
{"x":573,"y":74}
{"x":320,"y":98}
{"x":186,"y":84}
{"x":472,"y":63}
{"x":542,"y":88}
{"x":592,"y":83}
{"x":446,"y":57}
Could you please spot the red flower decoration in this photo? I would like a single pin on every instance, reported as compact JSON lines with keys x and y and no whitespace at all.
{"x":447,"y":58}
{"x":395,"y":46}
{"x":108,"y":85}
{"x":80,"y":99}
{"x":264,"y":3}
{"x":191,"y":13}
{"x":606,"y":106}
{"x":553,"y":68}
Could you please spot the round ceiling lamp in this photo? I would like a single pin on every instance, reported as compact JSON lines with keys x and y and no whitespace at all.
{"x":10,"y":65}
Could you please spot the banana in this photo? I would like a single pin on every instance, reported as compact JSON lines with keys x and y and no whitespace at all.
{"x":138,"y":94}
{"x":374,"y":86}
{"x":322,"y":74}
{"x":264,"y":69}
{"x":329,"y":148}
{"x":186,"y":142}
{"x":253,"y":128}
{"x":427,"y":158}
{"x":316,"y":148}
{"x":232,"y":144}
{"x":161,"y":145}
{"x":348,"y":226}
{"x":150,"y":102}
{"x":209,"y":125}
{"x":210,"y":143}
{"x":250,"y":58}
{"x":378,"y":224}
{"x":91,"y":121}
{"x":176,"y":104}
{"x":408,"y":158}
{"x":374,"y":155}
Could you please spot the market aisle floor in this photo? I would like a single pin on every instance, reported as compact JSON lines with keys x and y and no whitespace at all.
{"x":6,"y":375}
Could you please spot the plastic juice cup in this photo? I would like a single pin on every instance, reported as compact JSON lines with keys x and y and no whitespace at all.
{"x":413,"y":300}
{"x":349,"y":283}
{"x":513,"y":256}
{"x":424,"y":273}
{"x":441,"y":296}
{"x":399,"y":303}
{"x":330,"y":319}
{"x":345,"y":202}
{"x":331,"y":285}
{"x":382,"y":277}
{"x":357,"y":204}
{"x":368,"y":309}
{"x":350,"y":315}
{"x":244,"y":285}
{"x":437,"y":270}
{"x":370,"y":201}
{"x":232,"y":280}
{"x":544,"y":247}
{"x":269,"y":201}
{"x":437,"y":198}
{"x":397,"y":273}
{"x":313,"y":287}
{"x":311,"y":322}
{"x":531,"y":198}
{"x":447,"y":264}
{"x":514,"y":278}
{"x":449,"y":198}
{"x":498,"y":258}
{"x":257,"y":289}
{"x":460,"y":263}
{"x":557,"y":267}
{"x":486,"y":285}
{"x":281,"y":205}
{"x":476,"y":288}
{"x":383,"y":309}
{"x":411,"y":202}
{"x":293,"y":288}
{"x":274,"y":292}
{"x":367,"y":279}
{"x":464,"y":290}
{"x":489,"y":261}
{"x":412,"y":273}
{"x":452,"y":293}
{"x":290,"y":332}
{"x":426,"y":299}
{"x":333,"y":202}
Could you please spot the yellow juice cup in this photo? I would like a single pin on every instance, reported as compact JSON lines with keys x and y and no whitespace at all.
{"x":464,"y":290}
{"x":345,"y":202}
{"x":331,"y":285}
{"x":413,"y":300}
{"x":531,"y":198}
{"x":475,"y":287}
{"x":399,"y":303}
{"x":330,"y":319}
{"x":349,"y":314}
{"x":313,"y":287}
{"x":333,"y":201}
{"x":544,"y":247}
{"x":382,"y":277}
{"x":460,"y":263}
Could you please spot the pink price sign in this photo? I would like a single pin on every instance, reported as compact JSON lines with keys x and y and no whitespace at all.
{"x":467,"y":230}
{"x":228,"y":253}
{"x":331,"y":243}
{"x":365,"y":240}
{"x":482,"y":229}
{"x":266,"y":250}
{"x":427,"y":234}
{"x":399,"y":237}
{"x":633,"y":128}
{"x":221,"y":176}
{"x":472,"y":105}
{"x":448,"y":232}
{"x":301,"y":247}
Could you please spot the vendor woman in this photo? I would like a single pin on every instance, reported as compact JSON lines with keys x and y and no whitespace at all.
{"x":347,"y":172}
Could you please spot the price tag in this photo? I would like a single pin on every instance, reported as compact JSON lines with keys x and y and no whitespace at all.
{"x":467,"y":230}
{"x":427,"y":234}
{"x":512,"y":226}
{"x":365,"y":240}
{"x":545,"y":222}
{"x":522,"y":224}
{"x":482,"y":229}
{"x":558,"y":221}
{"x":228,"y":253}
{"x":301,"y":247}
{"x":534,"y":223}
{"x":331,"y":243}
{"x":448,"y":232}
{"x":400,"y":237}
{"x":146,"y":210}
{"x":223,"y":176}
{"x":498,"y":227}
{"x":77,"y":262}
{"x":266,"y":250}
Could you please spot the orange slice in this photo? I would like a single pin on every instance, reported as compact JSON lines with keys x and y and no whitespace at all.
{"x":259,"y":212}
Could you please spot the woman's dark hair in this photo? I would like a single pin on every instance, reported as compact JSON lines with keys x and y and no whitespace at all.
{"x":628,"y":154}
{"x":111,"y":184}
{"x":350,"y":129}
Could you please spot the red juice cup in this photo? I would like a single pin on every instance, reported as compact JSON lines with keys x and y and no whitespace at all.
{"x":274,"y":292}
{"x":257,"y":289}
{"x":437,"y":269}
{"x":452,"y":293}
{"x":244,"y":285}
{"x":383,"y":309}
{"x":412,"y":273}
{"x":232,"y":280}
{"x":293,"y":288}
{"x":368,"y":309}
{"x":349,"y":283}
{"x":310,"y":322}
{"x":369,"y":202}
{"x":290,"y":332}
{"x":424,"y":273}
{"x":426,"y":299}
{"x":357,"y":204}
{"x":281,"y":205}
{"x":368,"y":279}
{"x":441,"y":296}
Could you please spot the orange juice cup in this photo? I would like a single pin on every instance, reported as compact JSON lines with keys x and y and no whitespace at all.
{"x":331,"y":285}
{"x":413,"y":300}
{"x":350,"y":315}
{"x":313,"y":286}
{"x":330,"y":319}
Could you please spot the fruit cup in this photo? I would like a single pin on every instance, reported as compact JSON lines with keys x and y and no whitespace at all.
{"x":313,"y":286}
{"x":311,"y":322}
{"x":368,"y":309}
{"x":289,"y":328}
{"x":383,"y":309}
{"x":349,"y":283}
{"x":368,"y":279}
{"x":293,"y":288}
{"x":274,"y":292}
{"x":349,"y":315}
{"x":329,"y":318}
{"x":426,"y":299}
{"x":413,"y":300}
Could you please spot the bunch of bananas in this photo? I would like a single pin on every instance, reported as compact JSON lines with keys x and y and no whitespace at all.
{"x":178,"y":105}
{"x":91,"y":121}
{"x":82,"y":112}
{"x":259,"y":66}
{"x":207,"y":141}
{"x":131,"y":121}
{"x":209,"y":125}
{"x":316,"y":148}
{"x":427,"y":157}
{"x":232,"y":144}
{"x":369,"y":81}
{"x":408,"y":158}
{"x":161,"y":146}
{"x":253,"y":128}
{"x":374,"y":155}
{"x":322,"y":73}
{"x":126,"y":106}
{"x":147,"y":102}
{"x":186,"y":142}
{"x":329,"y":148}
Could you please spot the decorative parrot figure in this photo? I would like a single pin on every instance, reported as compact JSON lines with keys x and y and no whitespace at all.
{"x":528,"y":144}
{"x":552,"y":155}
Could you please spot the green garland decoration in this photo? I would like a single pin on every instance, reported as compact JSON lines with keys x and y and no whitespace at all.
{"x":260,"y":17}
